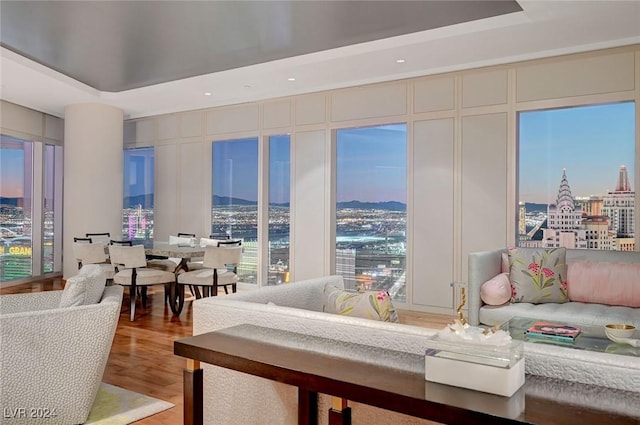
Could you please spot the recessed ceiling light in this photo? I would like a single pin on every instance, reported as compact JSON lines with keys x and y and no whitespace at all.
{"x":207,"y":93}
{"x":291,"y":79}
{"x":399,"y":60}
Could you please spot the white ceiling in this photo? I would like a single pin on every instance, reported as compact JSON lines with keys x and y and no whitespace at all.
{"x":543,"y":28}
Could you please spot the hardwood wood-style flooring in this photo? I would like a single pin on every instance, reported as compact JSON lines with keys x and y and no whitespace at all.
{"x":142,"y":358}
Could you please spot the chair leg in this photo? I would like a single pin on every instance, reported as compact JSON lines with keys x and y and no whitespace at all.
{"x":132,"y":301}
{"x":214,"y":289}
{"x":226,"y":291}
{"x":197,"y":292}
{"x":234,"y":287}
{"x":143,"y":291}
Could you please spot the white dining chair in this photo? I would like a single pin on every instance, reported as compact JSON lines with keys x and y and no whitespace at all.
{"x":131,"y":263}
{"x":93,"y":253}
{"x":219,"y":269}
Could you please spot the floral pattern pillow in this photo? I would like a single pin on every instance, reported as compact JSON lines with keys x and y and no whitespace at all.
{"x":375,"y":305}
{"x":538,"y":275}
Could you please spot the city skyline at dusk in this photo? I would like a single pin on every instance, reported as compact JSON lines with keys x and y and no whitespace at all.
{"x":589,"y":142}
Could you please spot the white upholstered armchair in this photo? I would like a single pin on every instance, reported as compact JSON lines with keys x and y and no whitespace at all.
{"x":54,"y":357}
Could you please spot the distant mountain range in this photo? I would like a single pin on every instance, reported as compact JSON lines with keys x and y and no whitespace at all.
{"x":387,"y":205}
{"x":9,"y":201}
{"x":531,"y":206}
{"x":226,"y":200}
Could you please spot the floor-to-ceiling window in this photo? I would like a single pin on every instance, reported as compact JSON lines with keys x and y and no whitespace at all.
{"x":279,"y":191}
{"x":235,"y":199}
{"x":371,"y":209}
{"x":30,"y":187}
{"x":576,"y":172}
{"x":137,"y":212}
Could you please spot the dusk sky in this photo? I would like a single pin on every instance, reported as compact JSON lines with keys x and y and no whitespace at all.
{"x":11,"y":167}
{"x":372,"y":164}
{"x":590,"y":142}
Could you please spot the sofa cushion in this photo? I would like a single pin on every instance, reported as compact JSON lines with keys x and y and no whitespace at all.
{"x":84,"y":288}
{"x":375,"y":305}
{"x":538,"y":275}
{"x":497,"y":290}
{"x":604,"y":283}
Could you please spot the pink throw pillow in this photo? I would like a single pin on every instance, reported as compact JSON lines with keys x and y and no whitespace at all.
{"x":604,"y":283}
{"x":497,"y":290}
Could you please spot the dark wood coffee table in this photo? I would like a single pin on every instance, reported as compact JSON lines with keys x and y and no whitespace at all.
{"x":319,"y":365}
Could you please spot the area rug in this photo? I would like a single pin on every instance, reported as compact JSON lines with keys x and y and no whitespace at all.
{"x":117,"y":406}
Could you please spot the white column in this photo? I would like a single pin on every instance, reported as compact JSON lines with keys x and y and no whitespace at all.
{"x":93,"y":170}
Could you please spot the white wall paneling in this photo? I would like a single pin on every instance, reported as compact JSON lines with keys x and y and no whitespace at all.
{"x":53,"y":128}
{"x":310,"y":109}
{"x":145,"y":130}
{"x":484,"y":184}
{"x":191,"y":204}
{"x":484,"y":88}
{"x":168,"y":127}
{"x":191,"y":124}
{"x":369,"y":102}
{"x":232,"y":119}
{"x":575,"y":76}
{"x":167,"y":166}
{"x":433,"y":201}
{"x":276,"y":114}
{"x":434,"y":94}
{"x":20,"y":119}
{"x":308,"y":214}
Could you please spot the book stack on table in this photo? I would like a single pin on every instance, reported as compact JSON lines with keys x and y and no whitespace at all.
{"x":547,"y":331}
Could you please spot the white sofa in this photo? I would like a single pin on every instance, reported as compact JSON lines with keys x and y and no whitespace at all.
{"x":234,"y":398}
{"x":487,"y":264}
{"x":52,"y":359}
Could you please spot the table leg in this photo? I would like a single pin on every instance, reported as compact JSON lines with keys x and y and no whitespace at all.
{"x":193,"y":393}
{"x":176,"y":298}
{"x":307,"y":407}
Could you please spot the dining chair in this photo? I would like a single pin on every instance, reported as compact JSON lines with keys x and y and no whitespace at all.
{"x":132,"y":272}
{"x":93,"y":253}
{"x":82,"y":240}
{"x":120,"y":243}
{"x":102,"y":238}
{"x":219,"y":269}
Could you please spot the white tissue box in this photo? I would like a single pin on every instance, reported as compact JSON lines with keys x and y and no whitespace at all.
{"x":488,"y":368}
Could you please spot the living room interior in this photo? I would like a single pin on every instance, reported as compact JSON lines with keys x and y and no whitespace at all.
{"x":183,"y":81}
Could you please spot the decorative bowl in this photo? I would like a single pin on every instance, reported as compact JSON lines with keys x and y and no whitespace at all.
{"x":619,"y":330}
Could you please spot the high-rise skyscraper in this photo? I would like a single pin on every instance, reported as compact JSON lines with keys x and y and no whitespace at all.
{"x":564,"y":223}
{"x":619,"y":206}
